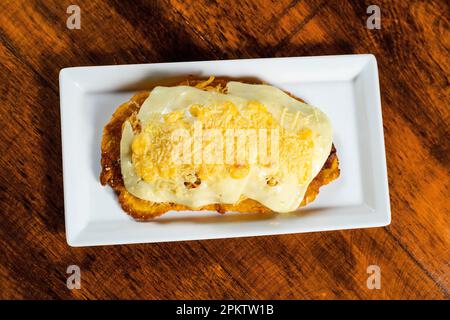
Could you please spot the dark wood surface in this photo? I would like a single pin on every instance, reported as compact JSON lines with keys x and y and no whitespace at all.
{"x":412,"y":48}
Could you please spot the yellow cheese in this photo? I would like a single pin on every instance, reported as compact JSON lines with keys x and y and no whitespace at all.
{"x":209,"y":170}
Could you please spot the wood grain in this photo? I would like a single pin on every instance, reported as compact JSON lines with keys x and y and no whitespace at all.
{"x":412,"y":49}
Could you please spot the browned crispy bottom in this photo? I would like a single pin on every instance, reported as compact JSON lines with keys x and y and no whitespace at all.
{"x":142,"y":209}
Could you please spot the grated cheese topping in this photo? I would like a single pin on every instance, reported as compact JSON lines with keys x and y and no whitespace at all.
{"x":256,"y":142}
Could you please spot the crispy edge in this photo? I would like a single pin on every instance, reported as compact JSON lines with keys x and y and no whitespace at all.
{"x":145,"y":210}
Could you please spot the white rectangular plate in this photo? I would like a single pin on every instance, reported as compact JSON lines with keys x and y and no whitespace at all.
{"x":346,"y":88}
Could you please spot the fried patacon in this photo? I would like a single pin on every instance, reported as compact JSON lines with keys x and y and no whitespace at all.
{"x":142,"y":209}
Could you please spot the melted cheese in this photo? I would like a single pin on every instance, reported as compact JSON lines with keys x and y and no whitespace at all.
{"x":305,"y":137}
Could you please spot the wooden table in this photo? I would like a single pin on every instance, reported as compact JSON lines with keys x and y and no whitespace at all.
{"x":412,"y":48}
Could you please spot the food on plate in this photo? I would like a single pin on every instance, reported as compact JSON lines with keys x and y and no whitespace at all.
{"x":216,"y":144}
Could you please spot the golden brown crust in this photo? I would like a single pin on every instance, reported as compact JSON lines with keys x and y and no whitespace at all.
{"x":144,"y":210}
